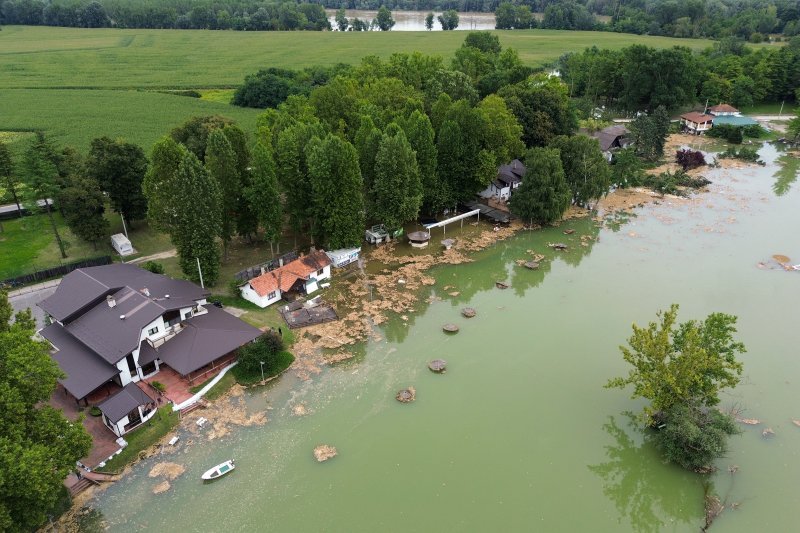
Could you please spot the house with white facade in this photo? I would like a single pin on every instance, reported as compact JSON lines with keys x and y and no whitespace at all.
{"x":696,"y":123}
{"x":509,"y":177}
{"x":112,"y":326}
{"x":612,"y":139}
{"x":301,"y":276}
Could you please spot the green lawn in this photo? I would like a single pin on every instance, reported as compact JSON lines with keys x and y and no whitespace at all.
{"x":28,"y":243}
{"x":770,"y":109}
{"x":75,"y":116}
{"x":41,"y":57}
{"x":143,"y":437}
{"x":217,"y":390}
{"x":285,"y":359}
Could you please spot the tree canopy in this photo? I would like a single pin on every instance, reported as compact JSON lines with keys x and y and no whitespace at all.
{"x":544,"y":194}
{"x":119,"y":168}
{"x":38,"y":445}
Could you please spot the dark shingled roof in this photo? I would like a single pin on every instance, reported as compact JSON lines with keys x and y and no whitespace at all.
{"x":511,"y":173}
{"x":607,"y":136}
{"x":123,"y":402}
{"x":205,"y":338}
{"x":86,"y":287}
{"x":85,"y":371}
{"x":112,"y":337}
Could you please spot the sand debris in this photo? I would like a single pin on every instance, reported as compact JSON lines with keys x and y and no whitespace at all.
{"x":167,"y":470}
{"x":767,"y":433}
{"x":300,"y":409}
{"x":782,"y":259}
{"x":164,"y":486}
{"x":749,"y":421}
{"x":323,"y":452}
{"x":338,"y":357}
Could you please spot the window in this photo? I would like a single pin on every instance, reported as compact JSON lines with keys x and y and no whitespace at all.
{"x":320,"y":272}
{"x":271,"y":295}
{"x":152,"y":331}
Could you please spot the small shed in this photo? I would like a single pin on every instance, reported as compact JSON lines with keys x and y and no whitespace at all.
{"x":344,"y":256}
{"x":121,"y":244}
{"x":376,"y":234}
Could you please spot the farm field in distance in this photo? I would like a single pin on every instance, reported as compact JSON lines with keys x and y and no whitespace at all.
{"x":46,"y":57}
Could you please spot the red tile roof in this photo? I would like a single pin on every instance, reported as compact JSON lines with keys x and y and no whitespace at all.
{"x":284,"y":277}
{"x":699,"y":118}
{"x":723,"y":108}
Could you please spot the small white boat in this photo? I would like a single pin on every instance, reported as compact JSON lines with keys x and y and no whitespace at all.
{"x":219,"y":470}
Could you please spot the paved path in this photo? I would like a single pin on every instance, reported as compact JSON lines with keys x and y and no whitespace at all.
{"x":28,"y":297}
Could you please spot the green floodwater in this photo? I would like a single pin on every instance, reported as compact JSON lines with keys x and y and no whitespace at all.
{"x":519,"y":434}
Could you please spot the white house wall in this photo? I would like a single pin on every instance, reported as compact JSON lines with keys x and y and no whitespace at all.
{"x":262,"y":301}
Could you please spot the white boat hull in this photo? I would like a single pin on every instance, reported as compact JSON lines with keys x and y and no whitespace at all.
{"x":218,"y":471}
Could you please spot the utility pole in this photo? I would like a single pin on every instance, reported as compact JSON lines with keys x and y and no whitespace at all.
{"x":124,"y":227}
{"x":781,"y":111}
{"x":200,"y":271}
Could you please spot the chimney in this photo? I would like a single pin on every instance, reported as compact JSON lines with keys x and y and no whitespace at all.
{"x":166,"y":296}
{"x":263,"y":271}
{"x":111,"y":301}
{"x":280,"y":261}
{"x":146,"y":291}
{"x":122,"y":317}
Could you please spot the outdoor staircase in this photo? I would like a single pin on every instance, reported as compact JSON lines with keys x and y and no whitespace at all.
{"x":201,"y":403}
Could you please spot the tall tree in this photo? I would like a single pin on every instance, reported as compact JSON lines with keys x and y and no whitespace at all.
{"x":159,"y":185}
{"x":384,"y":20}
{"x":544,"y":194}
{"x":366,"y":141}
{"x":503,"y":134}
{"x":397,"y":189}
{"x":221,"y":165}
{"x":650,"y":133}
{"x":448,"y":20}
{"x":429,"y":21}
{"x":39,"y":445}
{"x":119,"y":167}
{"x":246,"y":221}
{"x":543,"y":108}
{"x":193,"y":133}
{"x":41,"y":180}
{"x":263,"y":193}
{"x":10,"y":180}
{"x":84,"y":206}
{"x":293,"y":175}
{"x":197,"y":219}
{"x":341,"y":19}
{"x":586,"y":170}
{"x":337,"y":188}
{"x":420,"y":134}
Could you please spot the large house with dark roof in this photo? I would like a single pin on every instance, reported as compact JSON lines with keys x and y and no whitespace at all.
{"x":301,"y":276}
{"x":509,"y":177}
{"x":114,"y":325}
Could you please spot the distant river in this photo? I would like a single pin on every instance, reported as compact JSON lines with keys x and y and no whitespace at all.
{"x":415,"y":20}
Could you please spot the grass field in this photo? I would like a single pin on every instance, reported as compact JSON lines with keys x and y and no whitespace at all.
{"x":46,"y":57}
{"x":77,"y":84}
{"x":75,"y":117}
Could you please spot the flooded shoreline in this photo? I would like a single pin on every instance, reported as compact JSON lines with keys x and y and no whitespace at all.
{"x":513,"y":359}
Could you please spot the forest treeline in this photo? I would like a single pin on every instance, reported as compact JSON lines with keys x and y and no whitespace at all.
{"x":753,"y":20}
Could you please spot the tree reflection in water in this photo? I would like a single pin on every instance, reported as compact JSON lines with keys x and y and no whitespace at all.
{"x":652,"y":495}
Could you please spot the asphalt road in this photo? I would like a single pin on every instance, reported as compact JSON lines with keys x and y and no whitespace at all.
{"x":24,"y":300}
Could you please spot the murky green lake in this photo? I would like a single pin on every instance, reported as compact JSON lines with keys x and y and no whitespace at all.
{"x":519,"y":434}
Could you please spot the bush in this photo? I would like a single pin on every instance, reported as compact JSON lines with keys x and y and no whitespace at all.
{"x":190,"y":93}
{"x":154,"y":267}
{"x":158,"y":386}
{"x":754,"y":130}
{"x":233,"y":288}
{"x":689,"y":159}
{"x":669,"y":183}
{"x":95,"y":411}
{"x":266,"y":349}
{"x":732,"y":134}
{"x":744,"y":153}
{"x":694,"y":437}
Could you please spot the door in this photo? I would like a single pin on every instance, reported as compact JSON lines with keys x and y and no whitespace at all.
{"x":131,"y":365}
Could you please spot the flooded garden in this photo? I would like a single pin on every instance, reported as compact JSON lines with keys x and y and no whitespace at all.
{"x":518,"y":433}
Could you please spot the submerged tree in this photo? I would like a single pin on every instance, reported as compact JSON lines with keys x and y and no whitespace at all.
{"x":681,"y":369}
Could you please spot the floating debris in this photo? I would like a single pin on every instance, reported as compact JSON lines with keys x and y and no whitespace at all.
{"x":406,"y":395}
{"x":448,"y":243}
{"x":450,"y":328}
{"x":569,"y":231}
{"x":749,"y":421}
{"x":557,"y":246}
{"x":767,"y":433}
{"x":782,"y":259}
{"x":501,"y":285}
{"x":454,"y":293}
{"x":796,"y":422}
{"x":468,"y":312}
{"x":438,"y":365}
{"x":161,"y":487}
{"x":532,"y":265}
{"x":732,"y":469}
{"x":300,"y":409}
{"x":323,"y":452}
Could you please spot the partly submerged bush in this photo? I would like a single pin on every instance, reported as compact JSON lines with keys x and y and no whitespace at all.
{"x":694,"y":437}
